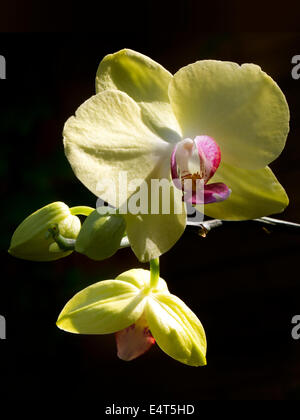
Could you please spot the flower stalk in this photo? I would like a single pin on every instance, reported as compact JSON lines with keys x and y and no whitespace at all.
{"x":81,"y":210}
{"x":210,"y":224}
{"x":154,"y":272}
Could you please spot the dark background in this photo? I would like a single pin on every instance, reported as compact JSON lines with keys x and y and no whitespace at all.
{"x":242,"y":281}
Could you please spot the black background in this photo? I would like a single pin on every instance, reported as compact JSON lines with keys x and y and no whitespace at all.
{"x":241,"y":281}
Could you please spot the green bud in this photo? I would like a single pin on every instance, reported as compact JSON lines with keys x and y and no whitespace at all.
{"x":31,"y":239}
{"x":100,"y":235}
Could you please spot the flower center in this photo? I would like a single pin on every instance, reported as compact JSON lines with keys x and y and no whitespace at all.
{"x":194,"y":178}
{"x":195,"y":159}
{"x":193,"y":163}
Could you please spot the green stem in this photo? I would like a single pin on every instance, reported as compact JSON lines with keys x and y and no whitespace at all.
{"x":270,"y":220}
{"x":154,"y":272}
{"x":65,"y":244}
{"x":81,"y":210}
{"x":211,"y":224}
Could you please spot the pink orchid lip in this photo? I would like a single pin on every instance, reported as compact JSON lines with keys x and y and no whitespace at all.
{"x":193,"y":185}
{"x":212,"y":193}
{"x":134,"y":340}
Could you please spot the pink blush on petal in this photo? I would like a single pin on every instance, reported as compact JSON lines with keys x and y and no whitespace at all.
{"x":134,"y":340}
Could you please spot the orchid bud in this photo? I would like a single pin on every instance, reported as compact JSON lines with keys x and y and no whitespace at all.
{"x":100,"y":235}
{"x":31,"y":239}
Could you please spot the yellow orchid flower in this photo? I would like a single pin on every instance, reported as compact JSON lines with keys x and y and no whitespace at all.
{"x":211,"y":119}
{"x":139,"y":308}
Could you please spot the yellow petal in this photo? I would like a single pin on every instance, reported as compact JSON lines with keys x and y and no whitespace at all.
{"x":146,"y":82}
{"x":254,"y":194}
{"x":107,"y":141}
{"x":241,"y":107}
{"x":151,"y":235}
{"x":141,"y":279}
{"x":176,"y":329}
{"x":102,"y":308}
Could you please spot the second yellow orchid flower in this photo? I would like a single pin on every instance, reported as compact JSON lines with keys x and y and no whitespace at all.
{"x":138,"y":307}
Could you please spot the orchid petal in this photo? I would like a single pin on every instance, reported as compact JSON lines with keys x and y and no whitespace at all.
{"x":153,"y":233}
{"x":141,"y":279}
{"x":107,"y":137}
{"x":254,"y":194}
{"x":241,"y":107}
{"x":102,"y":308}
{"x":134,"y":340}
{"x":146,"y":82}
{"x":176,"y":329}
{"x":107,"y":140}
